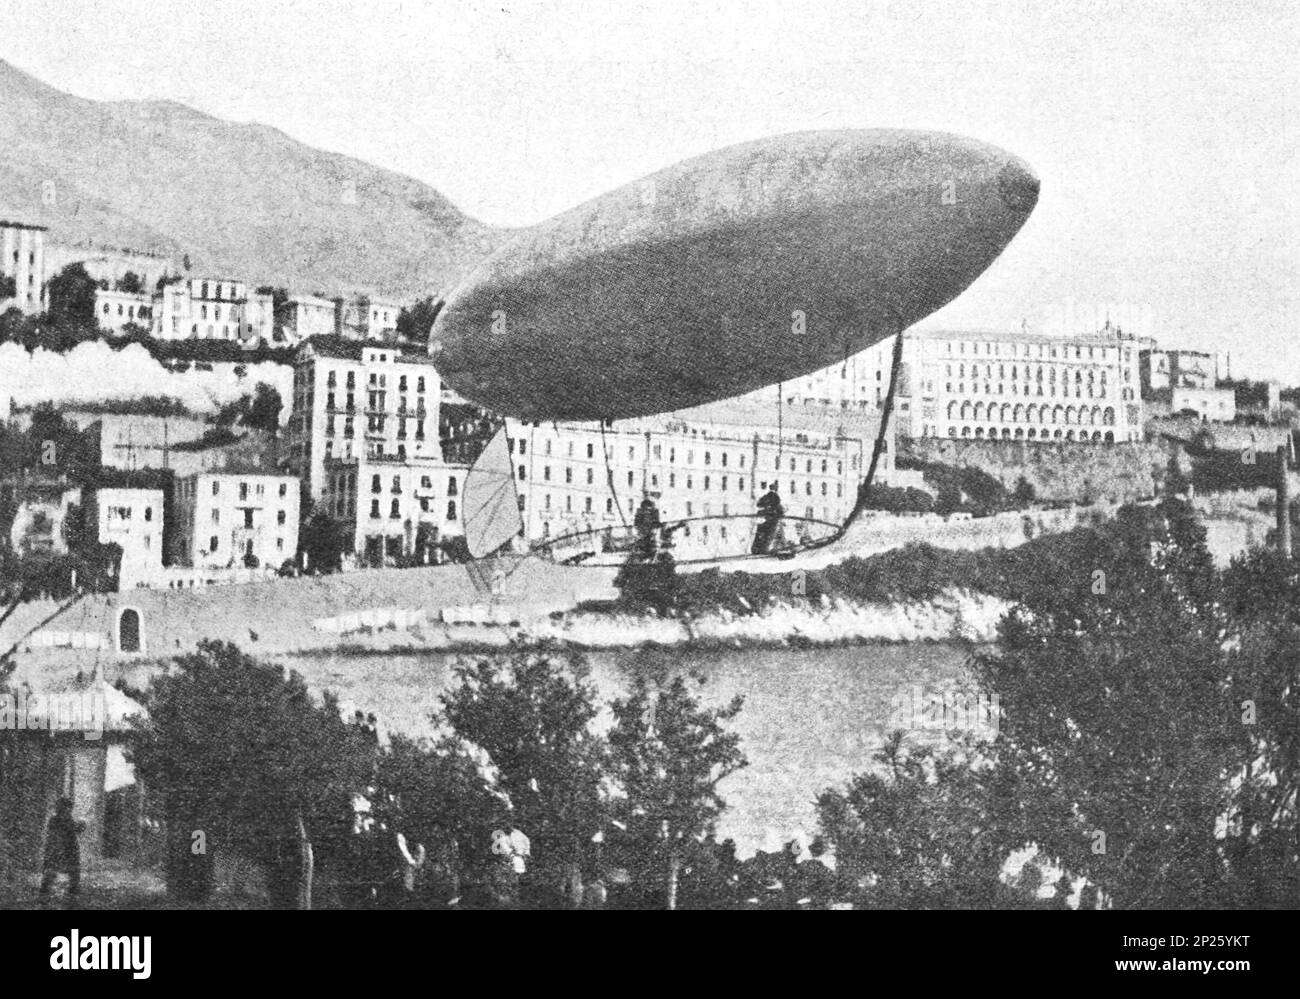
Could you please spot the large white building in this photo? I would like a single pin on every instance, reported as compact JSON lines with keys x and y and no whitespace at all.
{"x":22,"y":265}
{"x":110,"y":264}
{"x":212,"y":309}
{"x":115,"y":310}
{"x":306,"y":316}
{"x":363,"y":436}
{"x":226,"y":519}
{"x":708,"y":465}
{"x":365,"y":318}
{"x":133,"y":520}
{"x":1004,"y":386}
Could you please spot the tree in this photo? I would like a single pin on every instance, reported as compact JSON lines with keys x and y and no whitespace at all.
{"x":1024,"y":493}
{"x":1118,"y":722}
{"x":323,"y":540}
{"x":414,"y":324}
{"x":264,"y":410}
{"x":670,"y":754}
{"x":924,"y":833}
{"x":531,"y":712}
{"x":72,"y":297}
{"x":130,"y":283}
{"x":244,"y":758}
{"x":8,"y":287}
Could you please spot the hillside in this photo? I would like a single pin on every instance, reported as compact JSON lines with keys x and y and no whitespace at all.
{"x":240,"y":199}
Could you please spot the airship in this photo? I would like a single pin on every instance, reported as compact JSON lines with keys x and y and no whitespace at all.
{"x":747,"y":266}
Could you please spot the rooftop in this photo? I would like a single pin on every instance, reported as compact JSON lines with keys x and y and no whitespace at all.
{"x":1101,"y":338}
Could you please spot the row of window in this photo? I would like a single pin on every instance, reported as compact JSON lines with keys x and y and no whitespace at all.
{"x":1017,"y":349}
{"x":968,"y":412}
{"x":380,"y":380}
{"x":1020,"y":433}
{"x":214,"y":545}
{"x":395,"y":508}
{"x":280,"y":517}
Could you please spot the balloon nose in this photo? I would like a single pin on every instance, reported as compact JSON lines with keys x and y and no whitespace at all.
{"x":1018,"y":187}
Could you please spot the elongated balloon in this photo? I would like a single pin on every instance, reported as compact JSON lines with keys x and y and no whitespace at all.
{"x":746,"y":266}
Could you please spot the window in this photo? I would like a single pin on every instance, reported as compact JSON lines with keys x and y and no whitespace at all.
{"x":216,"y":516}
{"x":590,"y":451}
{"x":280,"y":517}
{"x":248,"y":518}
{"x":395,"y":510}
{"x":374,"y":508}
{"x":521,"y":473}
{"x":284,"y":489}
{"x":451,"y":509}
{"x":375,"y":484}
{"x":216,"y":487}
{"x":397,"y":484}
{"x":148,"y":513}
{"x":212,"y":544}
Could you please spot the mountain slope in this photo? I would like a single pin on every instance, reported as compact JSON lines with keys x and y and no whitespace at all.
{"x":242,"y":200}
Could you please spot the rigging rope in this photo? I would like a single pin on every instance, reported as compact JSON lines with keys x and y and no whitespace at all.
{"x":609,"y":475}
{"x":886,"y":414}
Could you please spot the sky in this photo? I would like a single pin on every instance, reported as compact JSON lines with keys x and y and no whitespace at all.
{"x":1164,"y":132}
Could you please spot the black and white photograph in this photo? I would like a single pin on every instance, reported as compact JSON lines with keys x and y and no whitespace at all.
{"x":556,"y":455}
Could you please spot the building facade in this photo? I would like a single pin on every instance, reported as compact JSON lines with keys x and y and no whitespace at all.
{"x":115,"y":310}
{"x":1210,"y":404}
{"x":363,"y":436}
{"x":133,"y":520}
{"x":1012,"y":386}
{"x":365,"y":318}
{"x":306,"y":316}
{"x":212,"y":309}
{"x":108,"y":264}
{"x":707,"y":465}
{"x":1162,"y":370}
{"x":22,"y":267}
{"x":228,"y":519}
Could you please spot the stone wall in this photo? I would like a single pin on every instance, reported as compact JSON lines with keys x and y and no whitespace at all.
{"x":1067,"y":471}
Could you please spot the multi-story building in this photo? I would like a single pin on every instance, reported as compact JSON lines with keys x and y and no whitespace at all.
{"x":306,"y":316}
{"x":133,"y":441}
{"x":1010,"y":386}
{"x":1162,"y":370}
{"x":227,"y":519}
{"x":133,"y":520}
{"x":365,"y":318}
{"x":708,"y":465}
{"x":1210,"y":404}
{"x":212,"y":309}
{"x":115,"y":310}
{"x":110,"y":264}
{"x":363,"y":436}
{"x":22,"y":267}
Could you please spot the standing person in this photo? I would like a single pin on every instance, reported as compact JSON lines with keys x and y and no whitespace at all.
{"x":770,"y":513}
{"x":62,"y":852}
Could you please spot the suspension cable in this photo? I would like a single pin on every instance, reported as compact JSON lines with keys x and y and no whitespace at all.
{"x":886,"y":413}
{"x":609,"y":475}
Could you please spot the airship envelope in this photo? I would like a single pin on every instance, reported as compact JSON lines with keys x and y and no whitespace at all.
{"x":741,"y":268}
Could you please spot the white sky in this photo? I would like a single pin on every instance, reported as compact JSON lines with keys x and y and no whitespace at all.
{"x":1165,"y":139}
